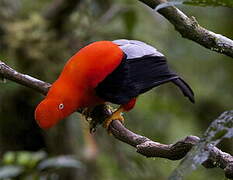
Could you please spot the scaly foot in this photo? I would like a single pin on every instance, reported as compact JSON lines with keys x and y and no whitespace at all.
{"x":117,"y":115}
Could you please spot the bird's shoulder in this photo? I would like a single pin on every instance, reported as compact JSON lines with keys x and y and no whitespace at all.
{"x":136,"y":49}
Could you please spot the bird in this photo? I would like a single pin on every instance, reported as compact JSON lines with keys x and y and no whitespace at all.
{"x":117,"y":71}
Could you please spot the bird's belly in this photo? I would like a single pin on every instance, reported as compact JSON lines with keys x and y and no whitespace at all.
{"x":91,"y":99}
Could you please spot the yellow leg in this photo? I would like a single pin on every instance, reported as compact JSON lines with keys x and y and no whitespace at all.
{"x":117,"y":115}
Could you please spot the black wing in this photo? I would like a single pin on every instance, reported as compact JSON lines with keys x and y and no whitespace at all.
{"x":142,"y":68}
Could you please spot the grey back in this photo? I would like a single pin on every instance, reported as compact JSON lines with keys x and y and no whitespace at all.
{"x":136,"y":49}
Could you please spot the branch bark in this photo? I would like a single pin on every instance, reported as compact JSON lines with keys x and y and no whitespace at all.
{"x":175,"y":151}
{"x":143,"y":145}
{"x":23,"y":79}
{"x":190,"y":29}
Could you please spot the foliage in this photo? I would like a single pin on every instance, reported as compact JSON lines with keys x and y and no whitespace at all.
{"x":26,"y":165}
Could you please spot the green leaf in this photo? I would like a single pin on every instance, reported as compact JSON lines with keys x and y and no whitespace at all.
{"x":29,"y":159}
{"x":59,"y":162}
{"x":23,"y":158}
{"x":9,"y":157}
{"x":38,"y":156}
{"x":10,"y":171}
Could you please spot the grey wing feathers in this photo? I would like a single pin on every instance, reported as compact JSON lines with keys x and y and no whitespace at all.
{"x":136,"y":49}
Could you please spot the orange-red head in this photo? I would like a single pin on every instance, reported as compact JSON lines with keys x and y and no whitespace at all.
{"x":49,"y":112}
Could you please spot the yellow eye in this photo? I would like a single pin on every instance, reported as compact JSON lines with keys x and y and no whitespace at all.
{"x":61,"y":106}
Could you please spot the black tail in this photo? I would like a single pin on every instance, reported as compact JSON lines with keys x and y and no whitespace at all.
{"x":185,"y":88}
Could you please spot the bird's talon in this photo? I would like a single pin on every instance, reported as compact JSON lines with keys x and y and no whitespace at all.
{"x":92,"y":130}
{"x":115,"y":116}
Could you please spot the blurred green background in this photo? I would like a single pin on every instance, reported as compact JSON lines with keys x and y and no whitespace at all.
{"x":38,"y":37}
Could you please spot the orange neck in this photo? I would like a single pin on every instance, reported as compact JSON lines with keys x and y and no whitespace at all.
{"x":65,"y":94}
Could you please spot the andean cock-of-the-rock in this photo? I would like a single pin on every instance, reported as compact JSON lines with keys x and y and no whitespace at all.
{"x":106,"y":71}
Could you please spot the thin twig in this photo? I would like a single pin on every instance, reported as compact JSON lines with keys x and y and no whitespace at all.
{"x":190,"y":29}
{"x":26,"y":80}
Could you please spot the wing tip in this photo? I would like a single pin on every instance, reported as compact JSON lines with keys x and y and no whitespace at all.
{"x":192,"y":99}
{"x":185,"y":88}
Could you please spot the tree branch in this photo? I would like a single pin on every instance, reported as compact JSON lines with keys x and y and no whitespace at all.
{"x":190,"y":29}
{"x":175,"y":151}
{"x":23,"y":79}
{"x":149,"y":148}
{"x":143,"y":145}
